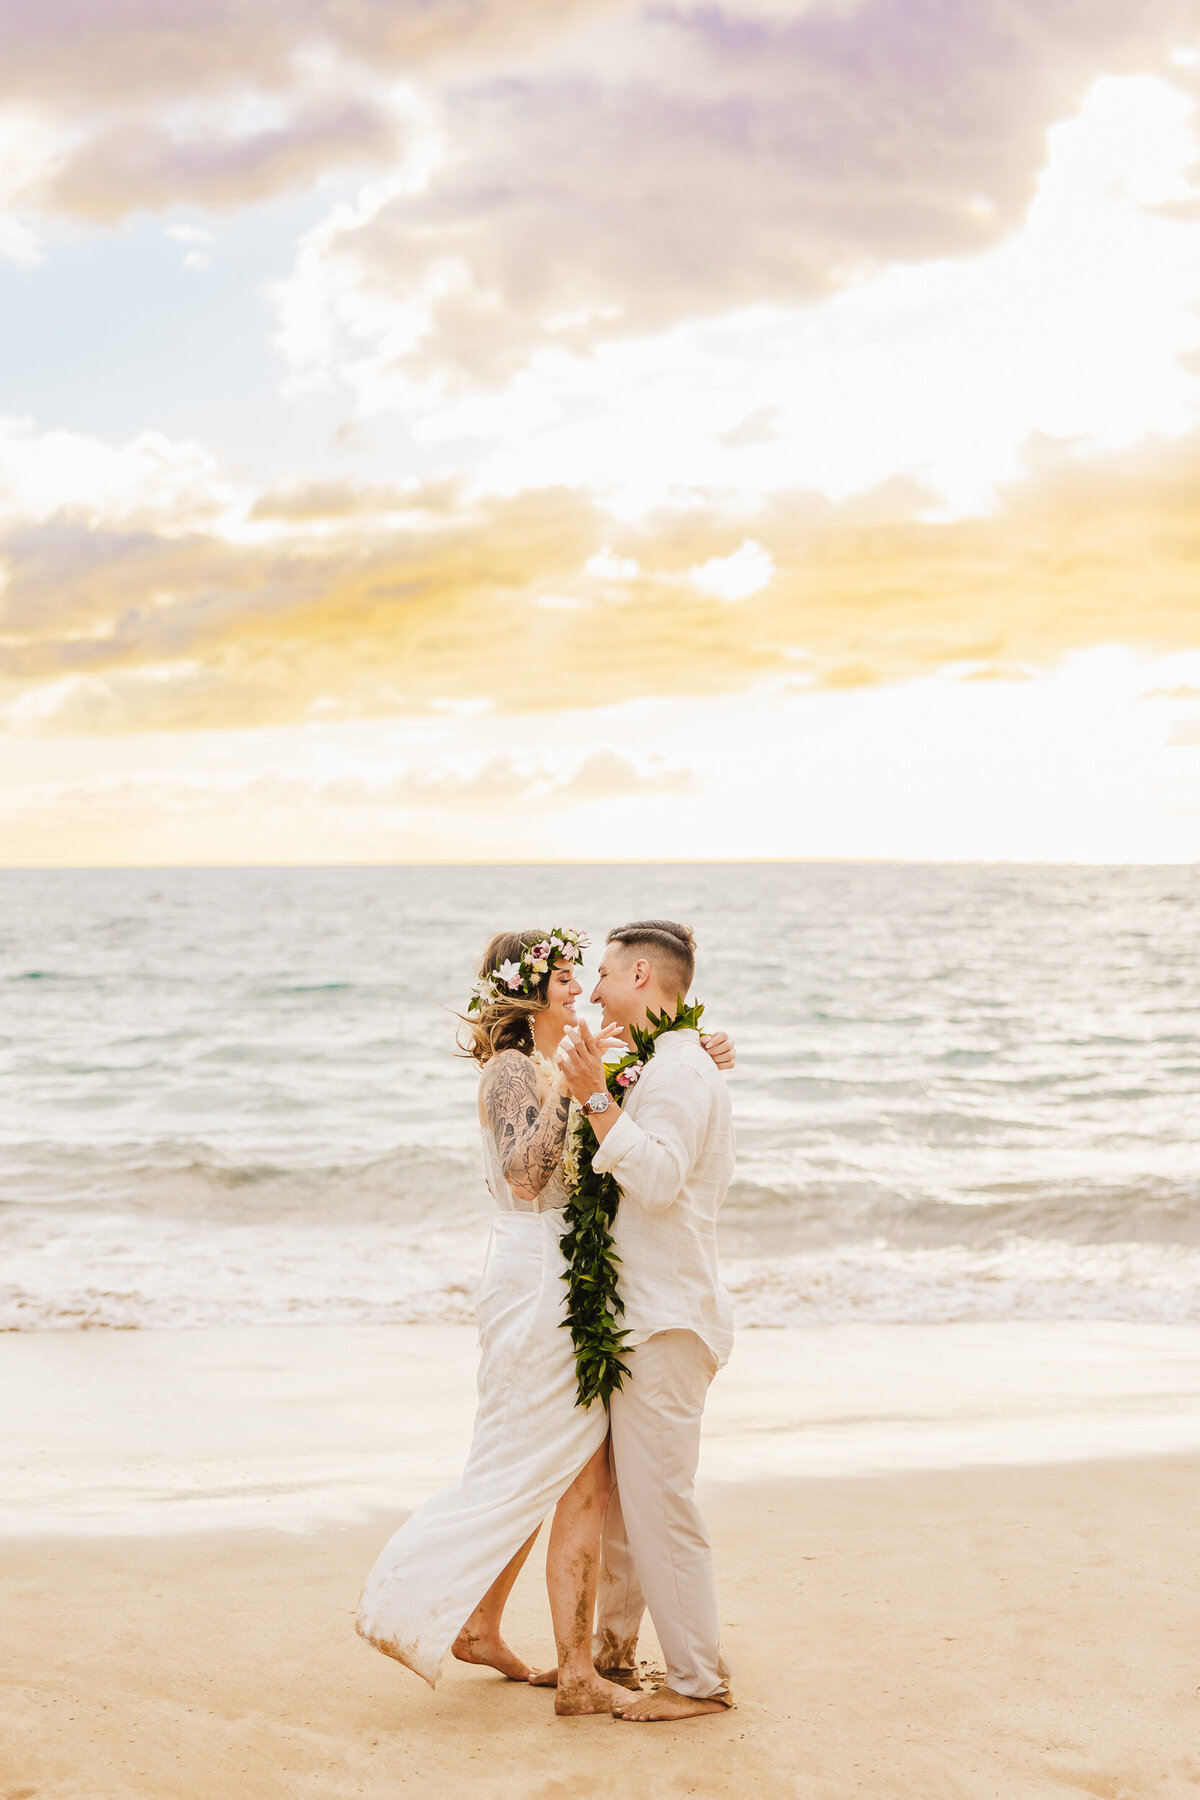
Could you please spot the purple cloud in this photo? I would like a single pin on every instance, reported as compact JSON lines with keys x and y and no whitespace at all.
{"x":698,"y":159}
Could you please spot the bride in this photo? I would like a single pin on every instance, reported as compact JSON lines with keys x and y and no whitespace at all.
{"x":441,"y":1582}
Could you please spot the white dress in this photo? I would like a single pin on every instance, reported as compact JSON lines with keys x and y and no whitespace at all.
{"x":530,"y":1442}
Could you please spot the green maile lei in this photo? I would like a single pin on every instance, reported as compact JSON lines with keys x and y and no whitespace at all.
{"x":594,"y":1304}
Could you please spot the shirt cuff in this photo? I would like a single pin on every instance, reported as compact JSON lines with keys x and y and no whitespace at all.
{"x":616,"y":1144}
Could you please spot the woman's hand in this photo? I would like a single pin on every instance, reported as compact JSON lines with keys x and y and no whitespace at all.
{"x":612,"y":1037}
{"x":608,"y":1039}
{"x":582,"y":1058}
{"x":720,"y":1048}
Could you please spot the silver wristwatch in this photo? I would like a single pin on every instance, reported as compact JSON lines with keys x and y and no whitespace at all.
{"x":597,"y":1103}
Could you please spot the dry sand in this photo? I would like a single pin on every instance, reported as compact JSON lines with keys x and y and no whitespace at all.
{"x":1009,"y":1634}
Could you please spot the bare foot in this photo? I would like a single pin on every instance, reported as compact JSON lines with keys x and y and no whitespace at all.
{"x":490,"y":1653}
{"x":665,"y":1704}
{"x":575,"y":1699}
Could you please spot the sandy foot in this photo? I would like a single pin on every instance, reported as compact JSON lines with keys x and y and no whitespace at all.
{"x":576,"y":1700}
{"x":490,"y":1653}
{"x":665,"y":1705}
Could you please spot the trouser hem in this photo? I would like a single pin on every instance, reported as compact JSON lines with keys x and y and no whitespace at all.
{"x":722,"y":1697}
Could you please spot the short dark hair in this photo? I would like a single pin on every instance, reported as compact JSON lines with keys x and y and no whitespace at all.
{"x":668,"y":947}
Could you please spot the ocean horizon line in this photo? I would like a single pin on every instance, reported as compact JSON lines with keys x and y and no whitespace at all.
{"x":637,"y":862}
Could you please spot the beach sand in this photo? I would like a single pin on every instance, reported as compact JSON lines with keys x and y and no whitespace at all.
{"x":1017,"y":1633}
{"x":1006,"y":1631}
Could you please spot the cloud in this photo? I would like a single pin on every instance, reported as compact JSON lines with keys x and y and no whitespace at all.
{"x":147,"y":105}
{"x":150,"y":481}
{"x":694,"y":160}
{"x":606,"y":168}
{"x":510,"y":781}
{"x":745,"y":571}
{"x":132,"y":165}
{"x":762,"y":426}
{"x":155,"y":50}
{"x":505,"y":782}
{"x":30,"y":151}
{"x":148,"y":627}
{"x":1072,"y":764}
{"x":606,"y":774}
{"x":298,"y":502}
{"x":205,"y":807}
{"x":1080,"y":327}
{"x":612,"y":568}
{"x":197,"y":242}
{"x":144,"y":629}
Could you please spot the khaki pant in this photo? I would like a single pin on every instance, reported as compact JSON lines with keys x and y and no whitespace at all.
{"x":656,"y":1551}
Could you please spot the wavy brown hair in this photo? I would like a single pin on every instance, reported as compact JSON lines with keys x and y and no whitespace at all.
{"x":505,"y":1023}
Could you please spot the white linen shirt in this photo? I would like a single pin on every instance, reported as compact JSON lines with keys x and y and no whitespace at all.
{"x":671,"y":1152}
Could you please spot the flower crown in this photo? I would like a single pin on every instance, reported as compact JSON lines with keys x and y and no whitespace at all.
{"x":520,"y":978}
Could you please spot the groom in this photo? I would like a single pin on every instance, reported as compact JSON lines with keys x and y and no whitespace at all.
{"x":670,"y":1149}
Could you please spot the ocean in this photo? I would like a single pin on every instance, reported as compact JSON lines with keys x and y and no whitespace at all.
{"x":962,"y":1092}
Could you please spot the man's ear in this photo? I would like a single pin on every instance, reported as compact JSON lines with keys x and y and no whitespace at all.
{"x":641,"y":972}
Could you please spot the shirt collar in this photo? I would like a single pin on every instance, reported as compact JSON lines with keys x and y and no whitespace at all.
{"x":685,"y":1035}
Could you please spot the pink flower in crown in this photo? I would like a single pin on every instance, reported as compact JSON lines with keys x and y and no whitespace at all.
{"x":539,"y":952}
{"x":627,"y":1077}
{"x":510,"y":974}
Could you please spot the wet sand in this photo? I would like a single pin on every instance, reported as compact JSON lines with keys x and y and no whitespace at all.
{"x":298,"y":1426}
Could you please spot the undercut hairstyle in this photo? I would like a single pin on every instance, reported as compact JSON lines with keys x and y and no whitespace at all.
{"x":669,"y":948}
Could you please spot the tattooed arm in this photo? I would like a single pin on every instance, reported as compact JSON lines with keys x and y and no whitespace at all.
{"x":529,"y":1137}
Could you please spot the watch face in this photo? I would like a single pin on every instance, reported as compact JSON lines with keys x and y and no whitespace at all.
{"x":599,"y":1102}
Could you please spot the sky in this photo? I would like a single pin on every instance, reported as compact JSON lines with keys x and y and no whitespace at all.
{"x":587,"y":430}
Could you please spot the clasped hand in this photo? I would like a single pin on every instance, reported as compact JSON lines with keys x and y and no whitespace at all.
{"x":581,"y":1059}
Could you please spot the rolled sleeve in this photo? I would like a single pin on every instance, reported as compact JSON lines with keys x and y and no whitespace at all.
{"x":621,"y":1138}
{"x":651,"y":1156}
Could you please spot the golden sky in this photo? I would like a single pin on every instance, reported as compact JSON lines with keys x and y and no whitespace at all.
{"x":597,"y":430}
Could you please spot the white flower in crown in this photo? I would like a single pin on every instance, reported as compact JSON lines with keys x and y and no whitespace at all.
{"x":535,"y":961}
